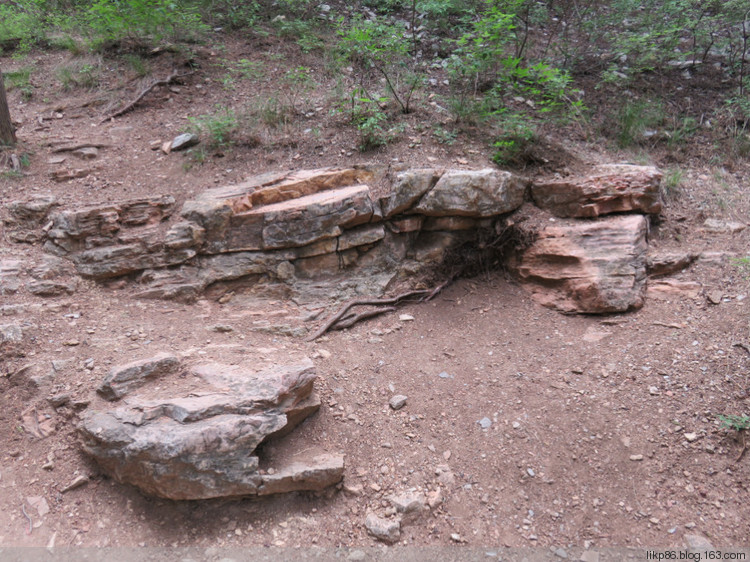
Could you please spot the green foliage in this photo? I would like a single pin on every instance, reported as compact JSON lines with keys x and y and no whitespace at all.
{"x":22,"y":20}
{"x":20,"y":80}
{"x":444,"y":136}
{"x":735,"y":422}
{"x":379,"y":46}
{"x":671,"y":183}
{"x":79,"y":73}
{"x":217,"y":129}
{"x":636,"y":121}
{"x":144,"y":22}
{"x":515,"y":137}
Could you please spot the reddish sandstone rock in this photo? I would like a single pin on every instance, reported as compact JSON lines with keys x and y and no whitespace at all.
{"x":589,"y":266}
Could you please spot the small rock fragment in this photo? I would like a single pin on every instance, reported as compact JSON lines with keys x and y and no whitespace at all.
{"x":411,"y":505}
{"x":397,"y":402}
{"x":406,"y":317}
{"x":485,"y":423}
{"x":183,"y":141}
{"x":77,"y":482}
{"x":386,"y":530}
{"x":690,"y":437}
{"x":714,"y":297}
{"x":697,"y":542}
{"x":636,"y":457}
{"x":435,"y":498}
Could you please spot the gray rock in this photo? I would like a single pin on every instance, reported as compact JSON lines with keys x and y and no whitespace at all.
{"x":473,"y":193}
{"x":485,"y":423}
{"x":408,"y":188}
{"x":397,"y":402}
{"x":10,"y":282}
{"x":410,"y":505}
{"x":203,"y":446}
{"x":697,"y":543}
{"x":312,"y":475}
{"x":723,"y":227}
{"x":386,"y":530}
{"x":184,"y":141}
{"x":123,"y":379}
{"x":611,"y":188}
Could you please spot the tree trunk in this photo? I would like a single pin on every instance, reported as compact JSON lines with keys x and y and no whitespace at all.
{"x":7,"y":132}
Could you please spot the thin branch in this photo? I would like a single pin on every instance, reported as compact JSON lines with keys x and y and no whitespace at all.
{"x":165,"y":82}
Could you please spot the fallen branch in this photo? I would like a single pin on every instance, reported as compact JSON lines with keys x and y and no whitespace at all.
{"x":165,"y":82}
{"x":31,"y":523}
{"x":72,"y":147}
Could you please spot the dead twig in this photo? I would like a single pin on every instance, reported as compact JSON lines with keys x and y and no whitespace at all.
{"x":742,"y":345}
{"x":744,"y":448}
{"x":165,"y":82}
{"x":72,"y":147}
{"x":31,"y":523}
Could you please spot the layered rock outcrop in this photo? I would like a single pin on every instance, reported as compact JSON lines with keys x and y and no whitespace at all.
{"x":291,"y":226}
{"x":202,"y":444}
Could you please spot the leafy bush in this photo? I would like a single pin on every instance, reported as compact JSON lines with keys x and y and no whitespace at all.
{"x":142,"y":21}
{"x":217,"y":128}
{"x":79,"y":73}
{"x":516,"y":135}
{"x":21,"y":23}
{"x":380,"y":46}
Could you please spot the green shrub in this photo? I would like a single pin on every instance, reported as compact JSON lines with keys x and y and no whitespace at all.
{"x":19,"y":80}
{"x":516,"y":135}
{"x":79,"y":73}
{"x":380,"y":47}
{"x":142,"y":22}
{"x":671,"y":183}
{"x":22,"y":23}
{"x":217,"y":129}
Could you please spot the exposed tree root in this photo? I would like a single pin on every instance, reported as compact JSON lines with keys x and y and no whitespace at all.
{"x":340,"y":321}
{"x":165,"y":82}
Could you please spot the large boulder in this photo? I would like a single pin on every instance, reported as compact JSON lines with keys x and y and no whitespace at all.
{"x":202,"y":445}
{"x":594,"y":266}
{"x":611,"y":188}
{"x":473,"y":193}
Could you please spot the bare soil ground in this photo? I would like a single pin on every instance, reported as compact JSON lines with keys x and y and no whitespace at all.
{"x":602,"y":430}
